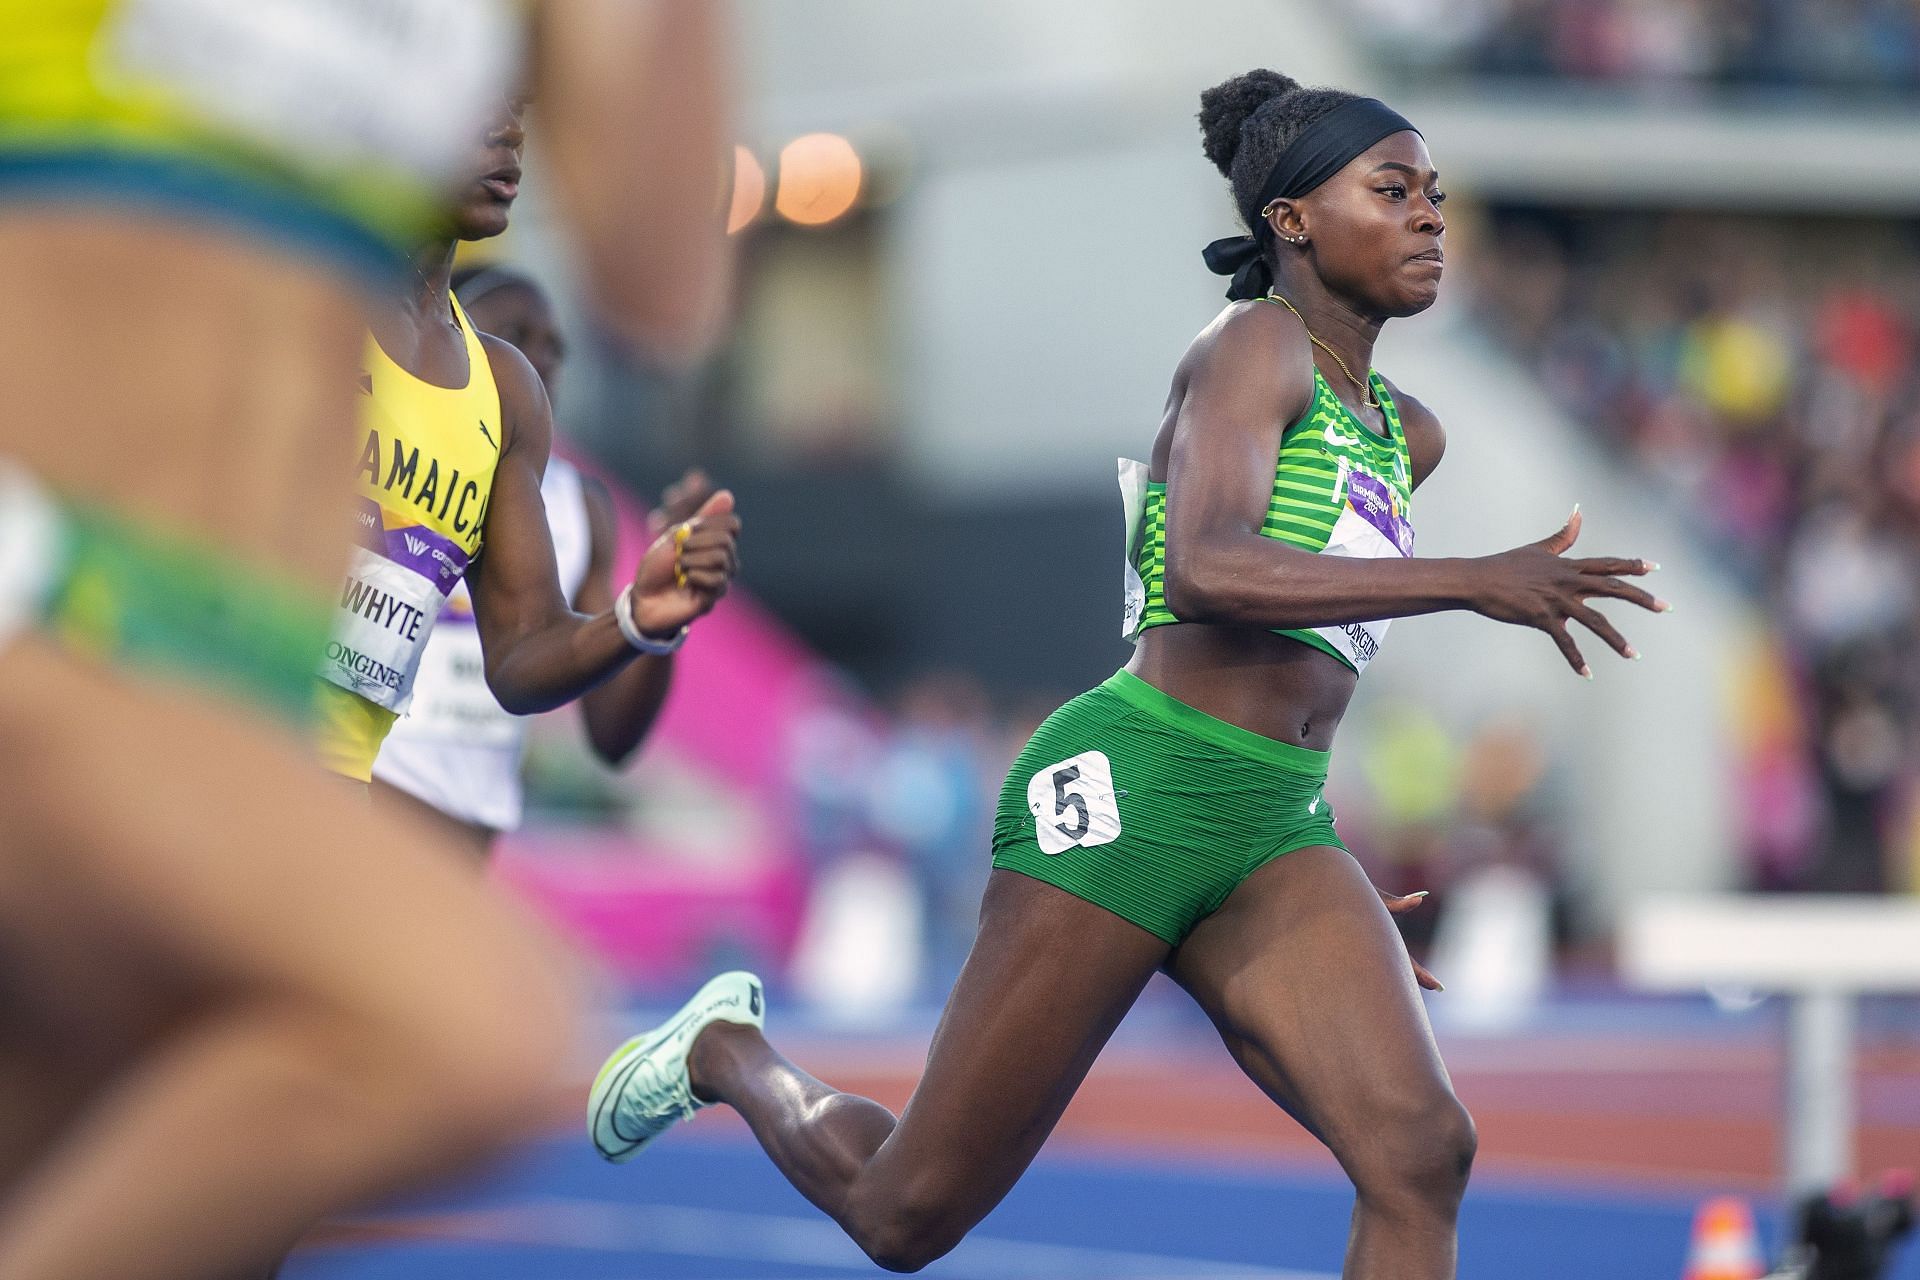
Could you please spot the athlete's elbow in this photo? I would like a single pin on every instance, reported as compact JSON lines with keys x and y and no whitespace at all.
{"x":671,"y":328}
{"x":673,"y":343}
{"x":521,"y":705}
{"x":1195,"y":593}
{"x":612,"y":749}
{"x":514,"y":697}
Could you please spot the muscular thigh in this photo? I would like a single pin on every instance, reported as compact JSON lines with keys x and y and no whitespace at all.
{"x":1308,"y":981}
{"x":145,"y":825}
{"x":79,"y":999}
{"x":68,"y":1023}
{"x":41,"y":1092}
{"x":1049,"y":978}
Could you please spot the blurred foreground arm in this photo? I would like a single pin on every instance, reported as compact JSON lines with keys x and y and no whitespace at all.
{"x":636,"y":122}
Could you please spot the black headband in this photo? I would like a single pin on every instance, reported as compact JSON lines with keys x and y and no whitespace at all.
{"x":1322,"y":150}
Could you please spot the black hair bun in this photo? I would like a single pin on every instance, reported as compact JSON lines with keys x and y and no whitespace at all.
{"x":1226,"y":106}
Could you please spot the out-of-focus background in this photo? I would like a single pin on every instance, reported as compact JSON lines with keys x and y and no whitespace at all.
{"x":1682,"y":292}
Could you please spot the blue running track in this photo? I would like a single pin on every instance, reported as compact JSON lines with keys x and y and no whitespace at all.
{"x":708,"y":1206}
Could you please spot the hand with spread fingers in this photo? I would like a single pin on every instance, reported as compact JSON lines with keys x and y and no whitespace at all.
{"x":1538,"y":586}
{"x":688,"y":567}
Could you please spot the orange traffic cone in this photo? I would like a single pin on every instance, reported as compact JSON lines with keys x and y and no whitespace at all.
{"x":1725,"y":1244}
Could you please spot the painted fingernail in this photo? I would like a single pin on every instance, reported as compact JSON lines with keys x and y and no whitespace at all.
{"x":1576,"y":510}
{"x":1439,"y":985}
{"x":1633,"y":653}
{"x":1586,"y":672}
{"x":1419,"y":893}
{"x":1666,"y":606}
{"x":1653,"y":566}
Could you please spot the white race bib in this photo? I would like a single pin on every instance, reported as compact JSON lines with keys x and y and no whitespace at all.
{"x":1133,"y":504}
{"x":1073,"y":804}
{"x":451,"y":701}
{"x":30,"y":549}
{"x":1371,"y":527}
{"x":385,"y":613}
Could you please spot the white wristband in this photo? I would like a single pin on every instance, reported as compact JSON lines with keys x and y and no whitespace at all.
{"x":623,"y":618}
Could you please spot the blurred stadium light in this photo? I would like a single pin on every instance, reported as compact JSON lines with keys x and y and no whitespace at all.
{"x":749,"y":190}
{"x":819,"y":179}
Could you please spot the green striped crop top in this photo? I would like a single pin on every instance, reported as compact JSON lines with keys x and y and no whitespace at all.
{"x":1338,"y":489}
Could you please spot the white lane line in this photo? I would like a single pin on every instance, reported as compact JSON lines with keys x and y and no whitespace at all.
{"x":817,"y":1242}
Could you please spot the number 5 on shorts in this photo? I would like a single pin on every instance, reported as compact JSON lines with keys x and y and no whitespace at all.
{"x":1073,"y":803}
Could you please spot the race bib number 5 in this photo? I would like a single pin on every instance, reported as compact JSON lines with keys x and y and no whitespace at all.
{"x":1073,"y":803}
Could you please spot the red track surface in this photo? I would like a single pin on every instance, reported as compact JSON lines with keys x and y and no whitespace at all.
{"x":1662,"y":1115}
{"x":1650,"y":1115}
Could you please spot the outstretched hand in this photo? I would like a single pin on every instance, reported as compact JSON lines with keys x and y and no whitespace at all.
{"x":688,"y":567}
{"x":1400,"y":904}
{"x":1537,"y":586}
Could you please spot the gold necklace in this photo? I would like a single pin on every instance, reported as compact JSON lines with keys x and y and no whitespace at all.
{"x":1366,"y":391}
{"x":452,"y":321}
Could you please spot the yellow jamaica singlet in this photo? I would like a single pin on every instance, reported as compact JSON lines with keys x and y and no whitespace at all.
{"x":425,"y":476}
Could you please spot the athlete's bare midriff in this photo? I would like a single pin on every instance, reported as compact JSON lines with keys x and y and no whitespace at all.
{"x":1269,"y":684}
{"x":1272,"y":685}
{"x":182,"y":376}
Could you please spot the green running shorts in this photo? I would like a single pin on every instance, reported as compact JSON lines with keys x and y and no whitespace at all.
{"x":1138,"y":803}
{"x":155,"y":602}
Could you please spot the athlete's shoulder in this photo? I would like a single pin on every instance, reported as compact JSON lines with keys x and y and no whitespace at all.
{"x":510,"y":367}
{"x":1255,"y":353}
{"x":523,"y":397}
{"x":1426,"y":438}
{"x":1251,"y":326}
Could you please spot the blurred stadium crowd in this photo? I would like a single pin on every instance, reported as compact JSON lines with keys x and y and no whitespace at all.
{"x":1852,"y":46}
{"x":1762,"y":375}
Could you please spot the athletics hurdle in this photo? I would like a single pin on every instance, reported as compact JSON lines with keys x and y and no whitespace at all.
{"x":1822,"y":952}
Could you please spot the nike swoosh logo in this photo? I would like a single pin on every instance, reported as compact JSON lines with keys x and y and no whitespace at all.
{"x":618,"y":1084}
{"x":611,"y":1098}
{"x":1333,"y":435}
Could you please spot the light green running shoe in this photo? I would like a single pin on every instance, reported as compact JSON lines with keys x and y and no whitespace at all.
{"x":643,"y":1089}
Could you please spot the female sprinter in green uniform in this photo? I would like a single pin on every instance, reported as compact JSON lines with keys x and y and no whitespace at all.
{"x":1173,"y":817}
